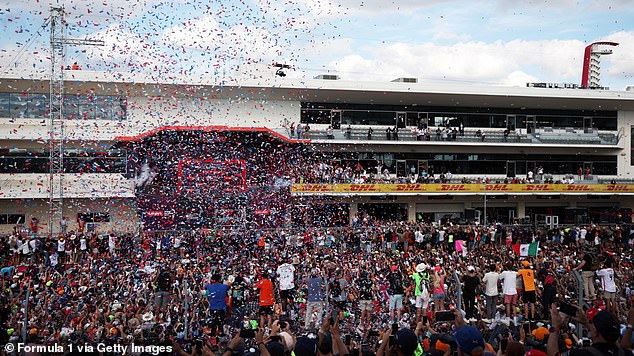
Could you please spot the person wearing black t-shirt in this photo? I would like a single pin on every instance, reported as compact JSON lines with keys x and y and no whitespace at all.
{"x":366,"y":298}
{"x":163,"y":289}
{"x":396,"y":292}
{"x":587,"y":272}
{"x":471,"y":283}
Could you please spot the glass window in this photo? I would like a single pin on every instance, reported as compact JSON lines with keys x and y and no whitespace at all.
{"x":15,"y":219}
{"x":37,"y":105}
{"x":18,"y":105}
{"x":104,"y":107}
{"x":71,"y":110}
{"x":85,"y":107}
{"x":5,"y":106}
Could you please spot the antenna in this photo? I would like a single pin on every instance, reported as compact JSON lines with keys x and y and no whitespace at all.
{"x":58,"y":41}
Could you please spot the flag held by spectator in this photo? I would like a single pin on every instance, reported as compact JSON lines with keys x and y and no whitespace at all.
{"x":526,"y":249}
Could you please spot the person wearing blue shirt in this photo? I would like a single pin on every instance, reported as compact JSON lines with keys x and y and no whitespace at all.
{"x":217,"y":293}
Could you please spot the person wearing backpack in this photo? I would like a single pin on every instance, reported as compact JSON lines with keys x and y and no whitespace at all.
{"x":421,"y":289}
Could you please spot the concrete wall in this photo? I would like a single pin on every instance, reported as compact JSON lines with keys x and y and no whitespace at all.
{"x":624,"y":165}
{"x":123,"y":216}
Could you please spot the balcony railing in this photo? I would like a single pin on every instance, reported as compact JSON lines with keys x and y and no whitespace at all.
{"x":542,"y":136}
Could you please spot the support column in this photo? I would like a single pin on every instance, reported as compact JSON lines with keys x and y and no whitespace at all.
{"x":411,"y":212}
{"x":354,"y":208}
{"x":520,"y":213}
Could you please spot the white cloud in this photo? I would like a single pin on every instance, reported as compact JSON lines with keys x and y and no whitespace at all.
{"x":621,"y":61}
{"x":511,"y":63}
{"x":125,"y":50}
{"x":241,"y":43}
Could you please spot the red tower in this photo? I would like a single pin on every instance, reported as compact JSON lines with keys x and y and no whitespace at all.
{"x":591,"y":75}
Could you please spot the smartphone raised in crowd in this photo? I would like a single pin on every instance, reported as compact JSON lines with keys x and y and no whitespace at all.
{"x":567,"y":309}
{"x":247,"y":333}
{"x":445,"y":315}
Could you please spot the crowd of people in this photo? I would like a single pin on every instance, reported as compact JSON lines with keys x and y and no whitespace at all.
{"x":367,"y":289}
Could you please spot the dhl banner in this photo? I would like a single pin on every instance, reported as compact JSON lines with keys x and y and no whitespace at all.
{"x":368,"y":189}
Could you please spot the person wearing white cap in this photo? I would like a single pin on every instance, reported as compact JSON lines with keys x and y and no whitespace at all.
{"x":421,"y":289}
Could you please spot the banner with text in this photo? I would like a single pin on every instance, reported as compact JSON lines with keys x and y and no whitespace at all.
{"x":367,"y":189}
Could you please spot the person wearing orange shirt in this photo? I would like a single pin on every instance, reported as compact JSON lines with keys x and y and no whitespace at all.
{"x":528,"y":297}
{"x":267,"y":299}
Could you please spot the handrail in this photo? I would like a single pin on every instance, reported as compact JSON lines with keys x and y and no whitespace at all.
{"x":620,"y":134}
{"x":458,"y":291}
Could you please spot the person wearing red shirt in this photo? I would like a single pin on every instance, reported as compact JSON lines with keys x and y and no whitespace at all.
{"x":267,"y":299}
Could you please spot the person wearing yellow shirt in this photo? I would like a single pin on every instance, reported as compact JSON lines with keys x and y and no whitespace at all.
{"x":528,"y":297}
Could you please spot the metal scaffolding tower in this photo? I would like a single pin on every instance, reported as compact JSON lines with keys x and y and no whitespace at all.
{"x":58,"y":41}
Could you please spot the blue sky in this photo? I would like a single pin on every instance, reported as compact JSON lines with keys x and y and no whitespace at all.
{"x":498,"y":42}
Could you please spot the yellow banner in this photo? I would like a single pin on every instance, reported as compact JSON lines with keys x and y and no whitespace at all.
{"x":460,"y":188}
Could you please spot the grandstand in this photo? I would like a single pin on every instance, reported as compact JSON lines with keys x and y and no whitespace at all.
{"x":142,"y":154}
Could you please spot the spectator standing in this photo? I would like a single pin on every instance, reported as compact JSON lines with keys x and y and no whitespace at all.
{"x":587,"y":273}
{"x":314,"y":300}
{"x":163,"y":289}
{"x":266,"y":300}
{"x":529,"y":294}
{"x":491,"y":290}
{"x":606,"y":275}
{"x":421,"y":288}
{"x":470,"y":282}
{"x":438,"y":288}
{"x":366,"y":298}
{"x":286,"y":282}
{"x":217,"y":294}
{"x":509,"y":288}
{"x":239,"y":300}
{"x":396,"y":293}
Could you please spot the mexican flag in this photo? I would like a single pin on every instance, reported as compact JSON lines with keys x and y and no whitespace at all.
{"x":526,"y":249}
